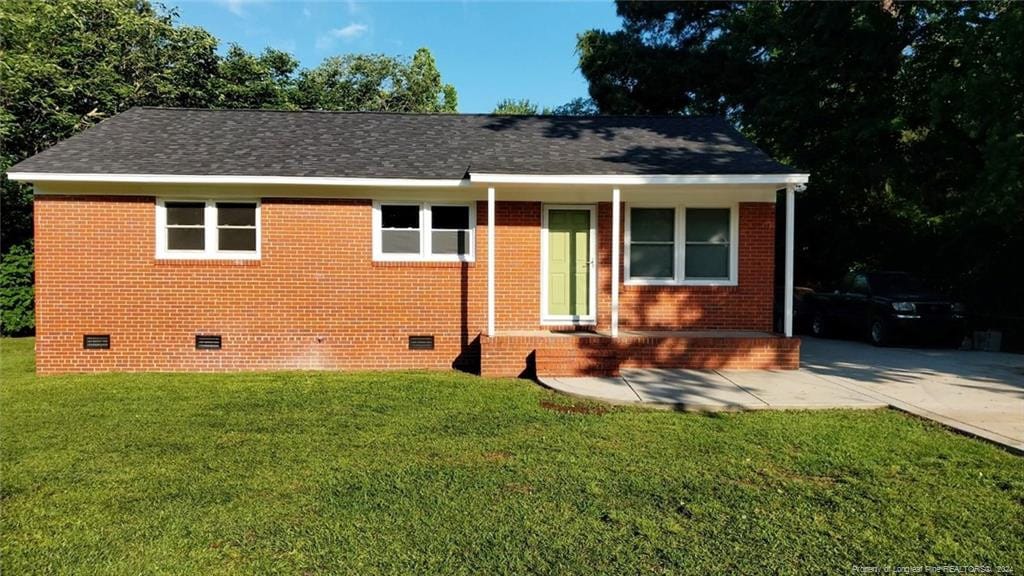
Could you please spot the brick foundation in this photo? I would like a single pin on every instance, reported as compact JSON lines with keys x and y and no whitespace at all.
{"x":596,"y":355}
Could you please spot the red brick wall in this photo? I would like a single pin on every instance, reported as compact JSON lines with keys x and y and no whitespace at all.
{"x":316,"y":299}
{"x":747,"y":306}
{"x":517,"y":265}
{"x":594,"y":355}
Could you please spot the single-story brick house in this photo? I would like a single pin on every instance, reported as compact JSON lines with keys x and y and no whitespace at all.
{"x":176,"y":239}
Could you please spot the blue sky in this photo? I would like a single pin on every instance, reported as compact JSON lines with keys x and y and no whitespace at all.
{"x":488,"y":50}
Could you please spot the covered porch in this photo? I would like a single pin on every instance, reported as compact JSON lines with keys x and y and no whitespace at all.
{"x":628,"y":322}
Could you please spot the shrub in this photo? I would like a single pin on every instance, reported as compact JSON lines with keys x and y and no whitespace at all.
{"x":17,"y":316}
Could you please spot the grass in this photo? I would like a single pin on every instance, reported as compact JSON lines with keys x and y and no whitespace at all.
{"x":317,"y":473}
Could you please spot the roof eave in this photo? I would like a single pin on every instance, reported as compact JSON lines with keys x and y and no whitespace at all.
{"x":234,"y":179}
{"x":474,"y":178}
{"x":639,"y":179}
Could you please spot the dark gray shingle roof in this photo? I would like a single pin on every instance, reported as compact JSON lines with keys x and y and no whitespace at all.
{"x":380,"y":145}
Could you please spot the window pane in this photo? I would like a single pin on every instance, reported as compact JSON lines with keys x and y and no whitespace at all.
{"x":186,"y":238}
{"x":707,"y":261}
{"x":234,"y":214}
{"x":652,"y":224}
{"x":450,"y":242}
{"x":400,"y":242}
{"x":651,"y":260}
{"x":449,"y":217}
{"x":237,"y":239}
{"x":707,"y":225}
{"x":185,"y":213}
{"x":400,"y":216}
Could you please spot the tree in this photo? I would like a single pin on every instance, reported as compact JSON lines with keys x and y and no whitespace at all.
{"x":524,"y":107}
{"x":513,"y":107}
{"x":422,"y":89}
{"x":907,"y":116}
{"x":249,"y":81}
{"x":576,"y":107}
{"x":376,"y":82}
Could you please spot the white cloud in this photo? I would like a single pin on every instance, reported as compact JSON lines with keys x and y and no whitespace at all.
{"x":307,"y":12}
{"x":346,"y":34}
{"x":350,"y":32}
{"x":235,"y":6}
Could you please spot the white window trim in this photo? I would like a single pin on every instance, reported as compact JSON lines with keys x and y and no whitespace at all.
{"x":679,"y":264}
{"x":211,"y":252}
{"x":426,"y":238}
{"x":554,"y":319}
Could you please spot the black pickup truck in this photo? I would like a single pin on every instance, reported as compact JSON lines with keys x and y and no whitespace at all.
{"x":884,"y":307}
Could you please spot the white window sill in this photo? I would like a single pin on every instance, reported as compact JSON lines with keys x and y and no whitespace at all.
{"x":414,"y":259}
{"x":186,"y":255}
{"x":645,"y":282}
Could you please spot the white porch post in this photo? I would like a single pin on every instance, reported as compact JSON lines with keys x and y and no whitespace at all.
{"x":616,"y":234}
{"x":788,"y":293}
{"x":490,"y":261}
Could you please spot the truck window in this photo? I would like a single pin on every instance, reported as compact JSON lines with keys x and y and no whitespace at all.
{"x":860,"y":285}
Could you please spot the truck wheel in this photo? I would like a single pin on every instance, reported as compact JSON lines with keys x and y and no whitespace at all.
{"x":818,"y":326}
{"x":879,"y":333}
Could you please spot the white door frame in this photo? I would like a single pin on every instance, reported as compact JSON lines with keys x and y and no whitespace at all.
{"x":591,"y":317}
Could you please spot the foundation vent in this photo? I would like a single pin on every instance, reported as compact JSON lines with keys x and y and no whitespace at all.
{"x":96,"y":341}
{"x":421,"y":342}
{"x":207,"y":342}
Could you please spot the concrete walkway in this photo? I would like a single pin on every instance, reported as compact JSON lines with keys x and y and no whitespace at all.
{"x":716,"y":390}
{"x":978,"y":393}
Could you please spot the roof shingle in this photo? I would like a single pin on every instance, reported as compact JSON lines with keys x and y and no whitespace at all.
{"x":174,"y":141}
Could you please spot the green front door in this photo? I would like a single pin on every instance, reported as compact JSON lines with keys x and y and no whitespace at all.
{"x":568,"y":262}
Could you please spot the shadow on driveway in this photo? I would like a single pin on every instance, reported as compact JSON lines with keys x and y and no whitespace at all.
{"x":981,"y":393}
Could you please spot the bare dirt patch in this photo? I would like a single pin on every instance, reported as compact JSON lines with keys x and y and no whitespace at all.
{"x":573,"y":408}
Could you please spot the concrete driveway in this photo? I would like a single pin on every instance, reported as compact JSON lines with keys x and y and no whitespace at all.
{"x":981,"y":393}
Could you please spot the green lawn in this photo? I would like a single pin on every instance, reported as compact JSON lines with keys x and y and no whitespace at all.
{"x":318,"y":473}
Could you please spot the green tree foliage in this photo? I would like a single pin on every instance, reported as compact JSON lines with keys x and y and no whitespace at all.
{"x":247,"y":80}
{"x":513,"y":107}
{"x":576,"y":107}
{"x":67,"y":64}
{"x":375,"y":82}
{"x":525,"y":107}
{"x":16,"y":290}
{"x":907,"y":116}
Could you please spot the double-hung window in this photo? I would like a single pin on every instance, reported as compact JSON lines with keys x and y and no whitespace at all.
{"x":706,"y":254}
{"x":681,"y":245}
{"x":401,"y":229}
{"x":652,"y":251}
{"x":208,"y":229}
{"x":423,"y":231}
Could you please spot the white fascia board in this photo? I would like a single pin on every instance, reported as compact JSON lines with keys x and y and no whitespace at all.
{"x":634,"y":179}
{"x":248,"y":180}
